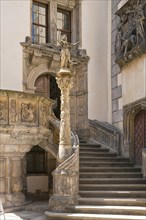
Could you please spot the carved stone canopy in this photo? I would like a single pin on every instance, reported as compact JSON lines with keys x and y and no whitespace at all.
{"x":130,"y":40}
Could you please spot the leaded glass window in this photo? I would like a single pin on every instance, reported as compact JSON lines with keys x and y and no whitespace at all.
{"x":63,"y":24}
{"x":39,"y":23}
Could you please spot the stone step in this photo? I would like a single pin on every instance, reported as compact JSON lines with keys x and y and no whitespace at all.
{"x":103,"y":159}
{"x":113,"y":194}
{"x":97,"y":154}
{"x":110,"y":169}
{"x":110,"y":175}
{"x":90,"y":149}
{"x":87,"y":216}
{"x":113,"y":181}
{"x":113,"y":201}
{"x":121,"y":187}
{"x":105,"y":164}
{"x":120,"y":210}
{"x":90,"y":145}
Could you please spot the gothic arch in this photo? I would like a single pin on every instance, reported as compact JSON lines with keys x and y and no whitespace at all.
{"x":130,"y":111}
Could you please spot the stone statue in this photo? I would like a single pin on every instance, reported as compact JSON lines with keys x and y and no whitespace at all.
{"x":65,"y":53}
{"x":66,"y":61}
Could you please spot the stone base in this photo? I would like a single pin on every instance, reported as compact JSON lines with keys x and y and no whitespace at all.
{"x":144,"y":163}
{"x":13,"y":198}
{"x":62,"y":203}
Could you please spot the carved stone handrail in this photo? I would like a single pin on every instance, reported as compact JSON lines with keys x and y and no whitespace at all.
{"x":66,"y":177}
{"x":106,"y":134}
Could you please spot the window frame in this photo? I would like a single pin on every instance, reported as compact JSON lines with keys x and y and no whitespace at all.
{"x":39,"y":4}
{"x":65,"y":31}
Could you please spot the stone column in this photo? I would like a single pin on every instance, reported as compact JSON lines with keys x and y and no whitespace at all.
{"x":14,"y":179}
{"x":65,"y":82}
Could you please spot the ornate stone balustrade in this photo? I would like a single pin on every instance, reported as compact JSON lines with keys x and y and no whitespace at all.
{"x":24,"y":122}
{"x":66,"y":181}
{"x":106,"y":134}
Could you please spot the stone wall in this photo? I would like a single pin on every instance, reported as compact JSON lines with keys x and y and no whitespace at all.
{"x":117,"y":112}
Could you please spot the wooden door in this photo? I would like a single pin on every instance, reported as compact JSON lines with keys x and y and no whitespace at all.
{"x":42,"y":85}
{"x":139,"y":136}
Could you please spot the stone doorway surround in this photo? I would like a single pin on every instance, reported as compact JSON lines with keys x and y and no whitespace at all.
{"x":130,"y":111}
{"x":40,"y":59}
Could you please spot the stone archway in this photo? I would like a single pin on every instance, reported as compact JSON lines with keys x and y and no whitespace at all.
{"x":39,"y":165}
{"x":130,"y":113}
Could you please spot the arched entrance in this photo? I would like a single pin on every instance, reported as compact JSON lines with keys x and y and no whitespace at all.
{"x":46,"y":85}
{"x":39,"y":166}
{"x":139,"y":136}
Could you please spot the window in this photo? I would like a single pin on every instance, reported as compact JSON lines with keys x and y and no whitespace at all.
{"x":36,"y":161}
{"x":39,"y":23}
{"x":63,"y":24}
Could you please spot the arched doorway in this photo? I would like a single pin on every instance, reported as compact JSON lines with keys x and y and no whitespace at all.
{"x":39,"y":167}
{"x":139,"y":136}
{"x":46,"y":85}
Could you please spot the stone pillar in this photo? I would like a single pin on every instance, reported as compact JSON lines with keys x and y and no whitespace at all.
{"x":53,"y":22}
{"x":65,"y":82}
{"x":14,"y":180}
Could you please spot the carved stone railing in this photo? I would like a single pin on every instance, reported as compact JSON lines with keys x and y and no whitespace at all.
{"x":106,"y":134}
{"x":130,"y":41}
{"x":23,"y":124}
{"x":66,"y":178}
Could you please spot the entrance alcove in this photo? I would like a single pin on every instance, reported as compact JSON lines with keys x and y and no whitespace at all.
{"x":38,"y":169}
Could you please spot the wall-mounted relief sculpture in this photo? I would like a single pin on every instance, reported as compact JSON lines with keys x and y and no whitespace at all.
{"x":130,"y":41}
{"x":3,"y":111}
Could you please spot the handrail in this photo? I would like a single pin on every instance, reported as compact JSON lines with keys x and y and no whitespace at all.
{"x":66,"y":176}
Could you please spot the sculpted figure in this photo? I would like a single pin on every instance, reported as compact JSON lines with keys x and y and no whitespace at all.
{"x":139,"y":21}
{"x":65,"y":53}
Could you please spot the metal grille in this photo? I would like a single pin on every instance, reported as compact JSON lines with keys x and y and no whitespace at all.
{"x":139,"y":136}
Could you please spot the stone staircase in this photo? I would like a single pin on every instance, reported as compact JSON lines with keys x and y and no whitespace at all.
{"x":110,"y":188}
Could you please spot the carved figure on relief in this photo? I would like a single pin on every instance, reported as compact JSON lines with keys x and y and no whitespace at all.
{"x":2,"y":110}
{"x":27,"y":112}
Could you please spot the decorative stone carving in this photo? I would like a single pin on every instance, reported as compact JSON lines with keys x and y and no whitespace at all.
{"x":3,"y":111}
{"x":130,"y":41}
{"x":27,"y":112}
{"x":65,"y":83}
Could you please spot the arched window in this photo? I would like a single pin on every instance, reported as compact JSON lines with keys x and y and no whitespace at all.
{"x":36,"y":161}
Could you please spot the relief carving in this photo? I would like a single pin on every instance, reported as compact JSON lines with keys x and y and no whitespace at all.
{"x":27,"y":112}
{"x":3,"y":112}
{"x":13,"y":110}
{"x":130,"y":38}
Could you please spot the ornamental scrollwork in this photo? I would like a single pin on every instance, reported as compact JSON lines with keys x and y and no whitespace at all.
{"x":130,"y":41}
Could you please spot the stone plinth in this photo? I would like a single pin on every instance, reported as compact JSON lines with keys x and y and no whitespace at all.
{"x":144,"y":163}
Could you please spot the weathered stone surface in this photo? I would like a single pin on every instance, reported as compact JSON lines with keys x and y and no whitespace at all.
{"x":117,"y":92}
{"x":118,"y":116}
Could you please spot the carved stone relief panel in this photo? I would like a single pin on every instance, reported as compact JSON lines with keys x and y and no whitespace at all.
{"x":81,"y":111}
{"x":3,"y":110}
{"x":131,"y":35}
{"x":73,"y":112}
